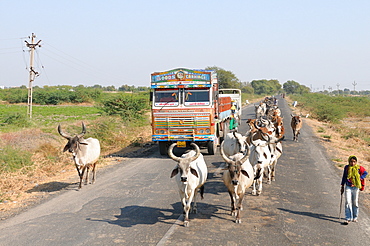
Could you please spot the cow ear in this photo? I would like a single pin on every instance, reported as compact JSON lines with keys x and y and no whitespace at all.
{"x":174,"y":172}
{"x":65,"y":148}
{"x":194,"y":172}
{"x":245,"y":173}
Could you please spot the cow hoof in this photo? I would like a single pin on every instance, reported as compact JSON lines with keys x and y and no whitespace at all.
{"x":186,"y":223}
{"x":253,"y":193}
{"x":238,"y":221}
{"x":194,"y":211}
{"x":269,"y":182}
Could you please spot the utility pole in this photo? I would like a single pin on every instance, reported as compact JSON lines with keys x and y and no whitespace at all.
{"x":338,"y":88}
{"x":354,"y":85}
{"x":33,"y":73}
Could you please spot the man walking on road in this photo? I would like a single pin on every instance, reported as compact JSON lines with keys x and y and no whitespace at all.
{"x":353,"y":180}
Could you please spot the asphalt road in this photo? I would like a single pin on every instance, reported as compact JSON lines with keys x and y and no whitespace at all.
{"x":136,"y":203}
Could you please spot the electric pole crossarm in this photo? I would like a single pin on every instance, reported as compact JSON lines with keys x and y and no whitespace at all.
{"x":32,"y":73}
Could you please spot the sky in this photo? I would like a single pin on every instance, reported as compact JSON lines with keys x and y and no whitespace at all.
{"x":321,"y":44}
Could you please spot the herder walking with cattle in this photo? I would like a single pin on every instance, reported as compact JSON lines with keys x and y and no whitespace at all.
{"x":353,"y":181}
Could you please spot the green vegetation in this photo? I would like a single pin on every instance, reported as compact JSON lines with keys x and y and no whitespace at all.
{"x":130,"y":107}
{"x":12,"y":159}
{"x":333,"y":108}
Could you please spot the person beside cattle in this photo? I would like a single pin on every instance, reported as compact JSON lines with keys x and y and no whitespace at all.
{"x":353,"y":181}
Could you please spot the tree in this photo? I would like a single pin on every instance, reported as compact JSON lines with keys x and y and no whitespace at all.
{"x":293,"y":87}
{"x":264,"y":86}
{"x":226,"y":79}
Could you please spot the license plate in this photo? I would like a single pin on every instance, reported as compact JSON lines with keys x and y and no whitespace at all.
{"x":181,"y":144}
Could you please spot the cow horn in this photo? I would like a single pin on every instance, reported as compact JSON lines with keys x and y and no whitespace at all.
{"x":227,"y":159}
{"x":197,"y":150}
{"x":170,"y":153}
{"x":246,"y":156}
{"x":63,"y":134}
{"x":83,"y":130}
{"x":255,"y":125}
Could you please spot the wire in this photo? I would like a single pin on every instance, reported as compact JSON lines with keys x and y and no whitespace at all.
{"x":78,"y":62}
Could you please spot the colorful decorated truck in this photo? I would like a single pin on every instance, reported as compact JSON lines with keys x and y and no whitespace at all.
{"x":187,"y":108}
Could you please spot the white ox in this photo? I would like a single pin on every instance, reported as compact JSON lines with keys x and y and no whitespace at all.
{"x":238,"y":177}
{"x":85,"y":153}
{"x":191,"y":174}
{"x":233,"y":143}
{"x":260,"y":158}
{"x":276,"y":151}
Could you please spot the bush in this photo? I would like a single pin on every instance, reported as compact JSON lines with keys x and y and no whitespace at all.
{"x":130,"y":107}
{"x":16,"y":119}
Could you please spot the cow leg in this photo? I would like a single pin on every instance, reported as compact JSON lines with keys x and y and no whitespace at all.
{"x":93,"y":173}
{"x":233,"y":201}
{"x":87,"y":174}
{"x":194,"y":206}
{"x":269,"y":170}
{"x":259,"y":182}
{"x":239,"y":208}
{"x":81,"y":176}
{"x":273,"y":170}
{"x":187,"y":209}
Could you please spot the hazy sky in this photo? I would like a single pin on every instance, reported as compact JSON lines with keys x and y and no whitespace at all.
{"x":318,"y":43}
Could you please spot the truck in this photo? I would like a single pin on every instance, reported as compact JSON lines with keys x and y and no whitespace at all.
{"x":188,"y":107}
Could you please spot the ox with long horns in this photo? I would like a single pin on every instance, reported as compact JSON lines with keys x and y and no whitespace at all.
{"x":85,"y":153}
{"x":191,"y":174}
{"x":237,"y":178}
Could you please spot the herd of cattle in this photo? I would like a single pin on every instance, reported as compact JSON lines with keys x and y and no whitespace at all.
{"x":249,"y":158}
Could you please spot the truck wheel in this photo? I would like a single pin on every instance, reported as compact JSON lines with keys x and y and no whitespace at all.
{"x":163,"y":148}
{"x":212,"y":147}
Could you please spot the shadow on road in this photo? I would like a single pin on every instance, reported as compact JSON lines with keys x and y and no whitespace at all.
{"x":313,"y":215}
{"x":143,"y":215}
{"x":49,"y":187}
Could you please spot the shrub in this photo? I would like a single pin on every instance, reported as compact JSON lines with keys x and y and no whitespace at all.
{"x":129,"y":107}
{"x":16,"y":119}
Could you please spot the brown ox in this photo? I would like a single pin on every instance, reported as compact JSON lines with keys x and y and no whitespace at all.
{"x":296,"y":124}
{"x":278,"y":123}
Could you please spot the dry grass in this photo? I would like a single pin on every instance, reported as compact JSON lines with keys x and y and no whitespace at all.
{"x":52,"y":170}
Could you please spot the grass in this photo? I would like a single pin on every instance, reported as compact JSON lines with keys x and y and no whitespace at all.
{"x":13,"y":159}
{"x":14,"y":117}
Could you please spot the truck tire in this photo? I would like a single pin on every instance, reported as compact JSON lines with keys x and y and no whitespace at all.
{"x":163,"y":148}
{"x":212,"y":147}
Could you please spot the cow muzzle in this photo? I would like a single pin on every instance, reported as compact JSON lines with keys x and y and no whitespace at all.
{"x":184,"y":179}
{"x":235,"y":182}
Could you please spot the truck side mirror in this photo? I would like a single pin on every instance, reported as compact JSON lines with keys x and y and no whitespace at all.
{"x":151,"y":96}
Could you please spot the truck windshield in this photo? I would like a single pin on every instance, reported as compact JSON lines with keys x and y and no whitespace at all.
{"x":166,"y":98}
{"x":196,"y":97}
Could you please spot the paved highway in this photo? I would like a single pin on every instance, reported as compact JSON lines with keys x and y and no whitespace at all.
{"x":136,"y":203}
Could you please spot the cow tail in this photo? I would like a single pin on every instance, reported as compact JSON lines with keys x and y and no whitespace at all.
{"x":201,"y":189}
